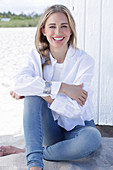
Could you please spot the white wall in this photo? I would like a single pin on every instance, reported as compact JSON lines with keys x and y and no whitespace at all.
{"x":94,"y":22}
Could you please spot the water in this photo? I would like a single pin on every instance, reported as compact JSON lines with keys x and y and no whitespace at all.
{"x":14,"y":44}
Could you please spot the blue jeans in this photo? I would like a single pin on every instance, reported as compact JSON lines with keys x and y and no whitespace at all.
{"x":40,"y":128}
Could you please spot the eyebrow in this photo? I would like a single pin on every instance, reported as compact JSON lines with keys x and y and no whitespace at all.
{"x":61,"y":23}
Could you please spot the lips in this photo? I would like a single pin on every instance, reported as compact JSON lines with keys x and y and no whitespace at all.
{"x":58,"y":38}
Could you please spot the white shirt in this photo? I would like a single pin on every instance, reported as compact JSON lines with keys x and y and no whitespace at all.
{"x":57,"y":72}
{"x":77,"y":68}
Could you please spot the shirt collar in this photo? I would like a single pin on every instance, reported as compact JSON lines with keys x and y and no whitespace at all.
{"x":71,"y":51}
{"x":53,"y":60}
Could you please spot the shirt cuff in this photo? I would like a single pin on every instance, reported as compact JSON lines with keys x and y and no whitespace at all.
{"x":55,"y":89}
{"x":65,"y":106}
{"x":58,"y":105}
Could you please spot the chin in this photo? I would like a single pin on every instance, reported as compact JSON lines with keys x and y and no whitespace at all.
{"x":59,"y":45}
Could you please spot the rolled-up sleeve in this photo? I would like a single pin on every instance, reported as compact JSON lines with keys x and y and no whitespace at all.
{"x":68,"y":107}
{"x":29,"y":82}
{"x":65,"y":106}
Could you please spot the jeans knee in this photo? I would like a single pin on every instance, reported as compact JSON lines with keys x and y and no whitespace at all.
{"x":32,"y":100}
{"x":32,"y":104}
{"x":94,"y":137}
{"x":97,"y":136}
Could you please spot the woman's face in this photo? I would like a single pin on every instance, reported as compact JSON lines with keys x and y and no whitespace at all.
{"x":57,"y":30}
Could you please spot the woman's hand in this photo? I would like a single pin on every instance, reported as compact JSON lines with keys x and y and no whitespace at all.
{"x":48,"y":99}
{"x":75,"y":92}
{"x":16,"y":96}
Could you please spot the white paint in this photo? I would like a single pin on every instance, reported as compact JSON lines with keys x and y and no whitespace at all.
{"x":94,"y":20}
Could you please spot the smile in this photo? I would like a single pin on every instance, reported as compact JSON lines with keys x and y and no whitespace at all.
{"x":58,"y":39}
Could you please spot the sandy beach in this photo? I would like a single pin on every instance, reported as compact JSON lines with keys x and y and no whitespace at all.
{"x":14,"y":43}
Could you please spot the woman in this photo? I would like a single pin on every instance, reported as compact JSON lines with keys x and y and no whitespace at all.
{"x":55,"y":82}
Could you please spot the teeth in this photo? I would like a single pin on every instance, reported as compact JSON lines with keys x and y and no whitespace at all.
{"x":57,"y":39}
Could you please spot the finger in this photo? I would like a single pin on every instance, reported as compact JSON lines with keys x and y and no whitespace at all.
{"x":17,"y":96}
{"x":83,"y":100}
{"x":80,"y":102}
{"x":13,"y":94}
{"x":84,"y":96}
{"x":85,"y":92}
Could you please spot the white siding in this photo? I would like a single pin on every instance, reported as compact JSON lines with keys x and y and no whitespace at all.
{"x":94,"y":21}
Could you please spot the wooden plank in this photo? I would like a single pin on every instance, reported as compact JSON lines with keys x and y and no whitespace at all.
{"x":78,"y":11}
{"x":94,"y":20}
{"x":92,"y":46}
{"x":106,"y":81}
{"x":87,"y":17}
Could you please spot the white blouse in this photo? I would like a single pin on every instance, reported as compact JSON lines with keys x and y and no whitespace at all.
{"x":77,"y":68}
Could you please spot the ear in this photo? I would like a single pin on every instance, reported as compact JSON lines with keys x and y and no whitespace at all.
{"x":71,"y":32}
{"x":43,"y":31}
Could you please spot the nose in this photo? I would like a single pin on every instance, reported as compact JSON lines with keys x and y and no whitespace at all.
{"x":58,"y":30}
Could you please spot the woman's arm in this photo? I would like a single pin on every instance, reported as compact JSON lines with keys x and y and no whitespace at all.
{"x":75,"y":92}
{"x":68,"y":102}
{"x":17,"y":97}
{"x":72,"y":91}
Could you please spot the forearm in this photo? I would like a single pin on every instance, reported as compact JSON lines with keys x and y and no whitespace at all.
{"x":75,"y":92}
{"x":27,"y":85}
{"x":63,"y":88}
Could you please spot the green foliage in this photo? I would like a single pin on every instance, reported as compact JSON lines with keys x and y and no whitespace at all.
{"x":20,"y":23}
{"x":20,"y":20}
{"x":17,"y":18}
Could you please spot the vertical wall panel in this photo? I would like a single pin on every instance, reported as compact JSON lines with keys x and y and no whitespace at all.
{"x":92,"y":46}
{"x":78,"y":11}
{"x":94,"y":19}
{"x":106,"y":72}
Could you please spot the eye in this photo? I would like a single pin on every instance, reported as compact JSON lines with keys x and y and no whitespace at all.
{"x":64,"y":26}
{"x":52,"y":27}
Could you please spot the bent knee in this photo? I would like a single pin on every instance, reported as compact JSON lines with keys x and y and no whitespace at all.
{"x":96,"y":137}
{"x":92,"y":137}
{"x":32,"y":99}
{"x":33,"y":103}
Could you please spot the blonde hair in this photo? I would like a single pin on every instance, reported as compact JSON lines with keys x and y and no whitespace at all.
{"x":41,"y":43}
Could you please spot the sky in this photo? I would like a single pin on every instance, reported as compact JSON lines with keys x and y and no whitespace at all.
{"x":29,"y":6}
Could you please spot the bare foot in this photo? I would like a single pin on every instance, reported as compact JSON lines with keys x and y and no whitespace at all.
{"x":35,"y":168}
{"x":8,"y":150}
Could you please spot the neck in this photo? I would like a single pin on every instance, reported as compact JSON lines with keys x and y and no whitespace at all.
{"x":59,"y":53}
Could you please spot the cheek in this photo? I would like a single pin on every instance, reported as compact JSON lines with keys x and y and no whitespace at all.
{"x":68,"y":32}
{"x":49,"y":33}
{"x":48,"y":36}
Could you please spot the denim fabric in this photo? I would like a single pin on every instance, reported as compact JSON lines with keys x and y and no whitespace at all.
{"x":40,"y":128}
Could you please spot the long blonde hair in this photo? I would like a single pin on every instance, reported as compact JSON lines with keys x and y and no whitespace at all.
{"x":41,"y":43}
